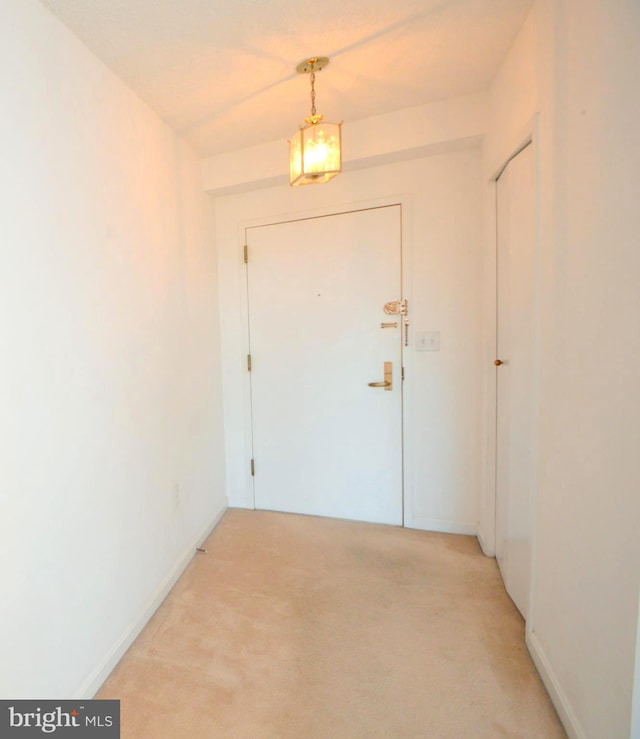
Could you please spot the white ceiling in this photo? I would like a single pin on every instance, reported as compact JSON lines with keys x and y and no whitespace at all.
{"x":222,"y":72}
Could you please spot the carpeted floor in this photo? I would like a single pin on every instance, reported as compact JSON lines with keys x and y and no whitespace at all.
{"x":302,"y":627}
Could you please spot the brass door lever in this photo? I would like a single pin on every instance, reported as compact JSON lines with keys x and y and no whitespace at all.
{"x":387,"y":383}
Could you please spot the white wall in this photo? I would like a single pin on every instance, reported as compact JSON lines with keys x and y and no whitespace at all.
{"x":111,"y":430}
{"x":442,"y":235}
{"x":586,"y":88}
{"x":410,"y":133}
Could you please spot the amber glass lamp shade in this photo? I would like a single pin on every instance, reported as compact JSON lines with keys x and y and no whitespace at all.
{"x":315,"y":153}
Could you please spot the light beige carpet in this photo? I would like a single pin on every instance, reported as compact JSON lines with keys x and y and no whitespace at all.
{"x":295,"y":626}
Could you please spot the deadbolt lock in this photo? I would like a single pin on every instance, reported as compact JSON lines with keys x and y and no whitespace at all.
{"x":396,"y":307}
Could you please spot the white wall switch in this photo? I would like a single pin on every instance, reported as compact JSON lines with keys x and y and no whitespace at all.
{"x":427,"y":341}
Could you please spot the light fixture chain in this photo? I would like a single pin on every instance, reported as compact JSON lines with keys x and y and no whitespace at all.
{"x":313,"y":93}
{"x":314,"y":151}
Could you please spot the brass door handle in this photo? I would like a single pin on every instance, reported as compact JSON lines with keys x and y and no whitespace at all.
{"x":498,"y":362}
{"x":384,"y":383}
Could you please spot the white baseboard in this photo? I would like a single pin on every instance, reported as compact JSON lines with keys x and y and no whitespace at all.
{"x":240,"y":503}
{"x":96,"y":678}
{"x":558,"y":697}
{"x":442,"y":526}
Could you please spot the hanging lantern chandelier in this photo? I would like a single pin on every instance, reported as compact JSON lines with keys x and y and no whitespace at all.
{"x":315,"y":150}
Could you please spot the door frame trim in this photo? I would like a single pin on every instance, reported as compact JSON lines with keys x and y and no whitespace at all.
{"x":404,"y":202}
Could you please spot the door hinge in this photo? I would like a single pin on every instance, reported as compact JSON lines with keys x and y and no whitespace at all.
{"x":402,"y":374}
{"x":246,"y":254}
{"x":253,"y":468}
{"x":248,"y":362}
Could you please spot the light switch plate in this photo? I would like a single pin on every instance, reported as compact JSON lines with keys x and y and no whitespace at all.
{"x":427,"y":341}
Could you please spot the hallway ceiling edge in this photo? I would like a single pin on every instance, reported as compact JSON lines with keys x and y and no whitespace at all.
{"x":223,"y":74}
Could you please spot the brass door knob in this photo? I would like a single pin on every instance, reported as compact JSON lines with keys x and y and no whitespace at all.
{"x":498,"y":362}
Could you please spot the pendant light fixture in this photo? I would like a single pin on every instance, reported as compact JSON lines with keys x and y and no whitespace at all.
{"x":315,"y":150}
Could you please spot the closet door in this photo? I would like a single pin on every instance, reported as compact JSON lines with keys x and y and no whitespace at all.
{"x":515,"y":370}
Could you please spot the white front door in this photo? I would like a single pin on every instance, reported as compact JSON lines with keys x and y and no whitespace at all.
{"x":325,"y":442}
{"x":516,"y":375}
